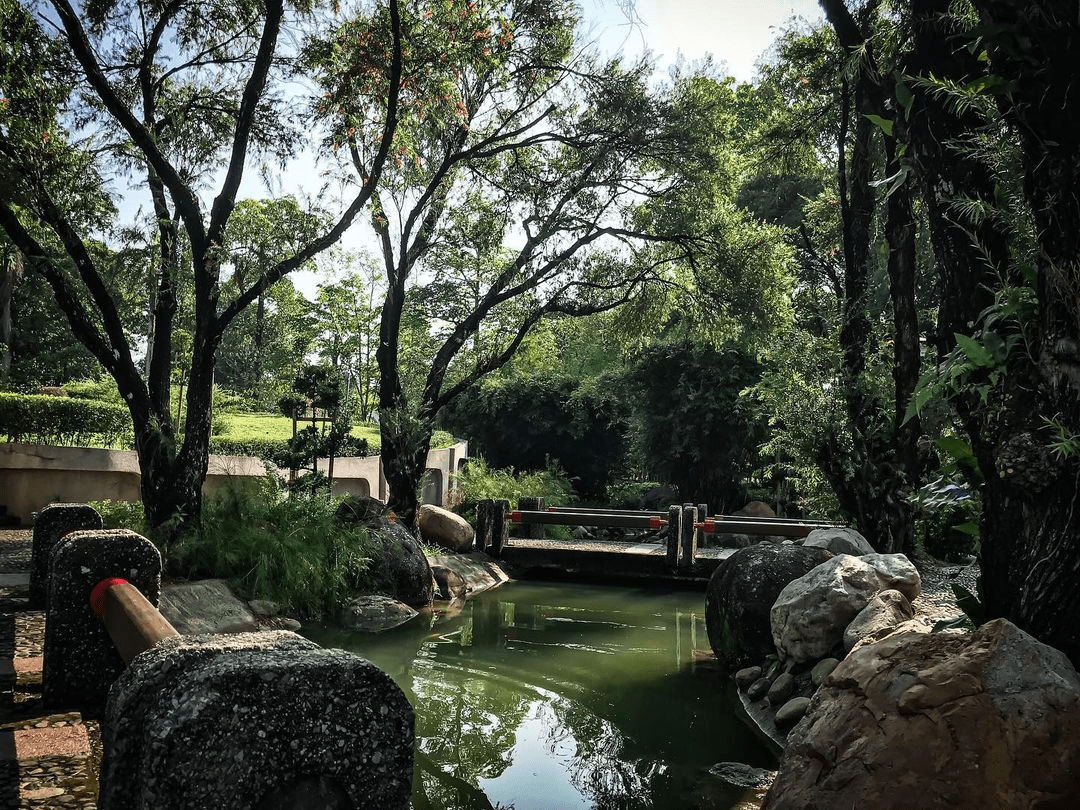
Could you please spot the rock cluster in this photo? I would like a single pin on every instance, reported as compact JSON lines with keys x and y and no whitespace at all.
{"x":873,"y":710}
{"x":794,"y":612}
{"x":984,"y":719}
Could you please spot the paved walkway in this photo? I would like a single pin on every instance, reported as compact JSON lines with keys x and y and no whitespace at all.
{"x":48,"y":757}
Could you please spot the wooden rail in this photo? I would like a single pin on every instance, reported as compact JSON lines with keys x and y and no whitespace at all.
{"x":133,"y":623}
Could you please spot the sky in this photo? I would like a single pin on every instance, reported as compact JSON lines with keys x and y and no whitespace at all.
{"x":735,"y":32}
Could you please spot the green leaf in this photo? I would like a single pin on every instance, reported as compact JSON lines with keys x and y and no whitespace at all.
{"x":971,"y":528}
{"x":884,"y":124}
{"x":969,"y":603}
{"x":955,"y":447}
{"x":974,"y":351}
{"x":904,"y":98}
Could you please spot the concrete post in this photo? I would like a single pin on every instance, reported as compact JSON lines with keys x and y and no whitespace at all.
{"x":483,"y":523}
{"x":500,"y":512}
{"x":674,"y":516}
{"x":534,"y":531}
{"x":51,"y":524}
{"x":687,"y":538}
{"x":702,"y":513}
{"x":81,"y":661}
{"x":254,"y":721}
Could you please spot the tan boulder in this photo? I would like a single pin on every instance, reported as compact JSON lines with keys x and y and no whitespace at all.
{"x":883,"y":613}
{"x":756,"y":509}
{"x":445,"y":529}
{"x":988,"y":719}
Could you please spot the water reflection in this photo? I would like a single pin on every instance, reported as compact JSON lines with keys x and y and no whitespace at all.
{"x":557,"y":697}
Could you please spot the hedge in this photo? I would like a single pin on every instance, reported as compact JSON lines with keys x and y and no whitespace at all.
{"x":276,"y":451}
{"x":63,"y":421}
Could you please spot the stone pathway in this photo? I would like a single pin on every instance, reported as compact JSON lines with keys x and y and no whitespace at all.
{"x":47,"y":759}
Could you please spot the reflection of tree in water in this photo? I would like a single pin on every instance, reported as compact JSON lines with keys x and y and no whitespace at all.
{"x":466,"y":727}
{"x":599,"y":769}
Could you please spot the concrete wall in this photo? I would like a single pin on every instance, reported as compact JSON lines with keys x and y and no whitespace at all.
{"x":33,"y":475}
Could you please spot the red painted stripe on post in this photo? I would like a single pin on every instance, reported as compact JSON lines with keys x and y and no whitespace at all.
{"x":97,"y":596}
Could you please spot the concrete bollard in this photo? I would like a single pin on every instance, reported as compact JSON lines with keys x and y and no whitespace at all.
{"x":500,"y":513}
{"x":674,"y":516}
{"x":687,"y":537}
{"x":81,"y":661}
{"x":483,"y":523}
{"x":534,"y":531}
{"x":254,"y":721}
{"x":51,"y":524}
{"x":702,"y":514}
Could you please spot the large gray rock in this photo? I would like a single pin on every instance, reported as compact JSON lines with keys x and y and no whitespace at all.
{"x":897,"y":572}
{"x":811,"y":613}
{"x":988,"y":719}
{"x":883,"y":613}
{"x":374,"y":613}
{"x":402,"y":569}
{"x":477,"y":573}
{"x":741,"y":593}
{"x":839,"y":540}
{"x":445,"y":529}
{"x":205,"y":606}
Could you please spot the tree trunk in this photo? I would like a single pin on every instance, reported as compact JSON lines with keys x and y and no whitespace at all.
{"x":1030,"y":528}
{"x":10,"y":270}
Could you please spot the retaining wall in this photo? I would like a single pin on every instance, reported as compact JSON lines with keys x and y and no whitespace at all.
{"x":35,"y":475}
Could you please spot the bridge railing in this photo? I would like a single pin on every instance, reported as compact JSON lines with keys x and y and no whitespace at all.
{"x":688,"y":525}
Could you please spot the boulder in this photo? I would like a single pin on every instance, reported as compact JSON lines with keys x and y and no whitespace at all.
{"x":477,"y":572}
{"x":443,"y":528}
{"x":839,"y":540}
{"x":402,"y":570}
{"x":882,"y":613}
{"x":741,"y":593}
{"x":374,"y":613}
{"x":791,"y":712}
{"x":756,"y":509}
{"x":205,"y":606}
{"x":985,"y":719}
{"x":897,"y":572}
{"x":811,"y":613}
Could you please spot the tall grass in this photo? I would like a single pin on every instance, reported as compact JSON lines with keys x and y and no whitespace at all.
{"x":286,"y":548}
{"x":478,"y":481}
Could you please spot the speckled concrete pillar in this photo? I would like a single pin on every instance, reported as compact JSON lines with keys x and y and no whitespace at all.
{"x":249,"y":720}
{"x":81,"y":662}
{"x":51,"y":524}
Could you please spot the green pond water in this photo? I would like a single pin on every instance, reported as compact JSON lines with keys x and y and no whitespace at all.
{"x":542,"y":696}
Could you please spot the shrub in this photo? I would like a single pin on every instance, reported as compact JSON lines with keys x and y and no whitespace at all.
{"x":121,"y":515}
{"x":63,"y":420}
{"x":290,"y":549}
{"x":477,"y":481}
{"x":276,"y":451}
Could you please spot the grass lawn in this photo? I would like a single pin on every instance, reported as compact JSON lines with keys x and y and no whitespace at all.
{"x":246,"y":426}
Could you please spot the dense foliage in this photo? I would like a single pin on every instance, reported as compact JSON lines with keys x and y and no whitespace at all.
{"x":530,"y":422}
{"x":63,"y":420}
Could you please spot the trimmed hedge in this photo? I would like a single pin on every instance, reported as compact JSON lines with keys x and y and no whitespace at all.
{"x":63,"y":421}
{"x":276,"y":451}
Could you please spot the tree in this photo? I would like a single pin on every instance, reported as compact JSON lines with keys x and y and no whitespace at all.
{"x":178,"y":94}
{"x":348,"y":323}
{"x":496,"y":106}
{"x":266,"y":344}
{"x":1009,"y":324}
